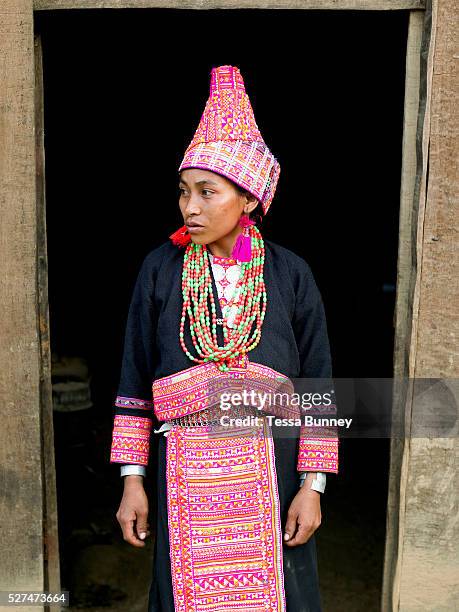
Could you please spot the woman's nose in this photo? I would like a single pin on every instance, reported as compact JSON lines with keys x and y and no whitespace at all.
{"x":193,"y":205}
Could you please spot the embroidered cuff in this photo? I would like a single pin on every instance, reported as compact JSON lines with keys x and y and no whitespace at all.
{"x":131,"y":439}
{"x":317,"y":454}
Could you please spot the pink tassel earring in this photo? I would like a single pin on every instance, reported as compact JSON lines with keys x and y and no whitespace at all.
{"x":242,"y":249}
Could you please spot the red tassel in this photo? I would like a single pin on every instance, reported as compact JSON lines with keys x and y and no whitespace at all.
{"x":181,"y":237}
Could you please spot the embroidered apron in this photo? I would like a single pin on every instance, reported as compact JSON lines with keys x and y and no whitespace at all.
{"x":223,"y":506}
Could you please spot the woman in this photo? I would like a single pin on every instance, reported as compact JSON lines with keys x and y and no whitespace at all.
{"x":220,"y":307}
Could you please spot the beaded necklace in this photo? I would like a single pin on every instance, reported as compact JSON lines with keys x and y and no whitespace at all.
{"x":197,"y":292}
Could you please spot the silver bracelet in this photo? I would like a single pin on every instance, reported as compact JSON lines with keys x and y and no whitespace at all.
{"x":127,"y":470}
{"x":319,"y":482}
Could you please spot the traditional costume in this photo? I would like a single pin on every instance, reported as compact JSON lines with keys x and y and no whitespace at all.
{"x":200,"y":325}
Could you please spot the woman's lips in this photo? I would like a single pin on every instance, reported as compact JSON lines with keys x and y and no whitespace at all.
{"x":194,"y":228}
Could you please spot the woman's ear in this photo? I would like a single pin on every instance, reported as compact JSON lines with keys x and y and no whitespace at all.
{"x":251,"y":203}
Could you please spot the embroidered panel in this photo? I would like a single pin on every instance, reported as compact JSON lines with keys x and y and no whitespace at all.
{"x":224,"y":521}
{"x":227,"y":274}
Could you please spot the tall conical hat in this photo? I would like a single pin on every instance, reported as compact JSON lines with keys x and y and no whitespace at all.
{"x":228,"y":140}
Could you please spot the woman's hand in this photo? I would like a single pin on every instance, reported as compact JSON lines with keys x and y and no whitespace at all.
{"x":304,"y":515}
{"x":132,"y":514}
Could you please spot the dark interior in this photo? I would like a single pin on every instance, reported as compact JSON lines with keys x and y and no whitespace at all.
{"x":124,"y":91}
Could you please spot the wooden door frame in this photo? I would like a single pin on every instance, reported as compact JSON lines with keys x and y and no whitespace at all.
{"x":27,"y":453}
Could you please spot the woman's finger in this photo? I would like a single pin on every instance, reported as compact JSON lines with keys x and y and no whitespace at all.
{"x":142,"y":525}
{"x":290,"y":525}
{"x":302,"y":535}
{"x":129,"y":534}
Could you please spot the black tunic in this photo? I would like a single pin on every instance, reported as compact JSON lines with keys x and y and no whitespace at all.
{"x":294,"y":341}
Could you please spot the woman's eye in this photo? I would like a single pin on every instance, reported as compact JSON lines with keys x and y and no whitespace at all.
{"x":205,"y":192}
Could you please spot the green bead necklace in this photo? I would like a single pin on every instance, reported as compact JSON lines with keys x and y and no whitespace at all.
{"x":197,"y":293}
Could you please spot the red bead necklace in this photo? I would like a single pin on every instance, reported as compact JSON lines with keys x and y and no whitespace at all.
{"x":197,"y":296}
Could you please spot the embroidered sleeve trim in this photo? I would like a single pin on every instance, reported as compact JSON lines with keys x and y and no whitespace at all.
{"x":133,"y":402}
{"x":131,"y":440}
{"x":318,"y":454}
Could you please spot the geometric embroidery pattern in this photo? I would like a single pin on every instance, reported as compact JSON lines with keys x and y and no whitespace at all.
{"x":197,"y":387}
{"x":130,"y":439}
{"x":133,"y":402}
{"x":317,"y":454}
{"x":224,"y":520}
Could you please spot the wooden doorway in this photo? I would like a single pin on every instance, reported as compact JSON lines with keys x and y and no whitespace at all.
{"x":35,"y":368}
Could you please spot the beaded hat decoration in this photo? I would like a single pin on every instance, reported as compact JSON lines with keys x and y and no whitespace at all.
{"x":228,"y":141}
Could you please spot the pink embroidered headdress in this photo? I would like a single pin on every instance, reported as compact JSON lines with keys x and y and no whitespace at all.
{"x":228,"y":140}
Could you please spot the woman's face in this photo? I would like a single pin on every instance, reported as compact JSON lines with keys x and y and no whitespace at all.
{"x":213,"y":202}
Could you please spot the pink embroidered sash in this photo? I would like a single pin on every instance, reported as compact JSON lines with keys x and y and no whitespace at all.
{"x":224,"y":520}
{"x":200,"y":387}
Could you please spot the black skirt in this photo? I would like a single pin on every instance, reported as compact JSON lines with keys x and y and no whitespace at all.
{"x":301,"y":581}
